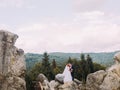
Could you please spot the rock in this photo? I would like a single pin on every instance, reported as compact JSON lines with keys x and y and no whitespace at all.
{"x":43,"y":82}
{"x":100,"y":80}
{"x":111,"y":82}
{"x":105,"y":80}
{"x":117,"y":57}
{"x":74,"y":85}
{"x":59,"y":78}
{"x":77,"y":81}
{"x":12,"y":63}
{"x":68,"y":86}
{"x":82,"y":87}
{"x":115,"y":69}
{"x":41,"y":77}
{"x":94,"y":80}
{"x":54,"y":85}
{"x":112,"y":79}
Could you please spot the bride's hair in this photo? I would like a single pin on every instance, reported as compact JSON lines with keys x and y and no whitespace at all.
{"x":69,"y":65}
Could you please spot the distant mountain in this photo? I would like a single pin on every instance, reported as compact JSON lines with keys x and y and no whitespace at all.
{"x":104,"y":58}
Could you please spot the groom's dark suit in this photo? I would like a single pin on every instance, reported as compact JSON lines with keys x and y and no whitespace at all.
{"x":72,"y":72}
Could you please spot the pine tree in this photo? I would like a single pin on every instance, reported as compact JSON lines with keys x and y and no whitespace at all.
{"x":90,"y":66}
{"x":46,"y":68}
{"x":83,"y":68}
{"x":82,"y":56}
{"x":69,"y":60}
{"x":77,"y":71}
{"x":55,"y":68}
{"x":54,"y":64}
{"x":45,"y":60}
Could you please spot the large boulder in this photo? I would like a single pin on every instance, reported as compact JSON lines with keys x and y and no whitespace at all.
{"x":43,"y":82}
{"x":105,"y":80}
{"x":59,"y":78}
{"x":111,"y":82}
{"x":12,"y":63}
{"x":68,"y":86}
{"x":54,"y":85}
{"x":41,"y":78}
{"x":77,"y":81}
{"x":94,"y":80}
{"x":117,"y":57}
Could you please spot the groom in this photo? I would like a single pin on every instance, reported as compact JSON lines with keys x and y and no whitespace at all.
{"x":72,"y":71}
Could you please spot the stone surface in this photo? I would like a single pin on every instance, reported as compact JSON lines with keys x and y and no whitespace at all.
{"x":43,"y":82}
{"x":111,"y":82}
{"x":68,"y":86}
{"x":105,"y":80}
{"x":77,"y":81}
{"x":82,"y":87}
{"x":108,"y":79}
{"x":54,"y":85}
{"x":95,"y":79}
{"x":41,"y":77}
{"x":59,"y":78}
{"x":12,"y":63}
{"x":117,"y":57}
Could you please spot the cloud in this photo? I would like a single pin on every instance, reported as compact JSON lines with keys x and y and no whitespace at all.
{"x":88,"y":32}
{"x":11,"y":3}
{"x":5,"y":27}
{"x":88,"y":5}
{"x":17,"y":4}
{"x":93,"y":15}
{"x":88,"y":28}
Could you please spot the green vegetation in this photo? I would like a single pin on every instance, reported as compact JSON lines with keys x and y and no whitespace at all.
{"x":46,"y":69}
{"x":83,"y":66}
{"x":101,"y":58}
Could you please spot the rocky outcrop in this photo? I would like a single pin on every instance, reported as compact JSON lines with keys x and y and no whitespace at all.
{"x":12,"y":63}
{"x":54,"y":85}
{"x":43,"y":82}
{"x":94,"y":80}
{"x":108,"y":79}
{"x":68,"y":86}
{"x":105,"y":80}
{"x":59,"y":78}
{"x":57,"y":84}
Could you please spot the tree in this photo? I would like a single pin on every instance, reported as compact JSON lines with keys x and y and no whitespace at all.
{"x":45,"y":60}
{"x":55,"y":68}
{"x":77,"y":70}
{"x":69,"y":60}
{"x":82,"y":57}
{"x":90,"y":66}
{"x":46,"y":68}
{"x":98,"y":67}
{"x":54,"y":64}
{"x":83,"y":68}
{"x":32,"y":75}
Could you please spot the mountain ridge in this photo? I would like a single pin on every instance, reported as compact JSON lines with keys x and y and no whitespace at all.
{"x":104,"y":58}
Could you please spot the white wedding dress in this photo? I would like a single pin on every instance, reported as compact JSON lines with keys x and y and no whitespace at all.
{"x":67,"y":74}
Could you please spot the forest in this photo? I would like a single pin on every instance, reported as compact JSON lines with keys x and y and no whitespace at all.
{"x":84,"y":65}
{"x":103,"y":58}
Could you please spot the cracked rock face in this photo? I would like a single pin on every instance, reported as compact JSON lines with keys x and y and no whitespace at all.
{"x":12,"y":63}
{"x":105,"y":80}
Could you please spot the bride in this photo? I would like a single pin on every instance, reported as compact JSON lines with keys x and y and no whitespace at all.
{"x":67,"y":74}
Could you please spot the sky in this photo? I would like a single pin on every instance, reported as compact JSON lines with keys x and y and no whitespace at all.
{"x":63,"y":25}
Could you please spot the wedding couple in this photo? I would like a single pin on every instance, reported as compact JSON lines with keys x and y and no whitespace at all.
{"x":68,"y":73}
